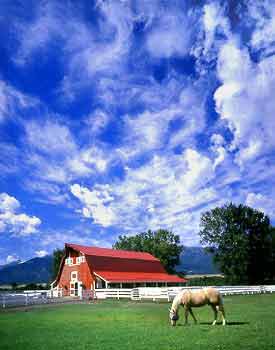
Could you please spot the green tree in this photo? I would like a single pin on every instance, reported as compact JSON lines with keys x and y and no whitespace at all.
{"x":57,"y":257}
{"x":163,"y":244}
{"x":240,"y":238}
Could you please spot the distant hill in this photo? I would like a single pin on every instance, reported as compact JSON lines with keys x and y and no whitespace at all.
{"x":36,"y":270}
{"x":10,"y":264}
{"x":194,"y":260}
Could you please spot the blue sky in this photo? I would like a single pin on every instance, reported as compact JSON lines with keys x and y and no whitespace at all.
{"x":122,"y":116}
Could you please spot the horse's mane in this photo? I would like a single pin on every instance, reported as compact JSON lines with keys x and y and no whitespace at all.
{"x":177,"y":300}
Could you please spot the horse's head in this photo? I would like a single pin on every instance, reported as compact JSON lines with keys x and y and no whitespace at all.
{"x":173,"y":316}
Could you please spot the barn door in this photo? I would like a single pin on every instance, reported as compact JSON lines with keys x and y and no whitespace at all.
{"x":76,"y":289}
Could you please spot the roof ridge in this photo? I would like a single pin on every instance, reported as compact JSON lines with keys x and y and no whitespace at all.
{"x":87,"y":250}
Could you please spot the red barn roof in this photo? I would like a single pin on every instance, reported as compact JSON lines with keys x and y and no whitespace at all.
{"x":112,"y":253}
{"x":124,"y":266}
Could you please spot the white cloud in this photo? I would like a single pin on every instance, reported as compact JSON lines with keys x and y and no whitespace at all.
{"x":18,"y":223}
{"x":12,"y":258}
{"x":51,"y":193}
{"x":41,"y":253}
{"x":8,"y":203}
{"x":50,"y":137}
{"x":157,"y":194}
{"x":218,"y":148}
{"x":214,"y":21}
{"x":55,"y":156}
{"x":199,"y":170}
{"x":35,"y":35}
{"x":11,"y":100}
{"x":245,"y":101}
{"x":261,"y":202}
{"x":87,"y":54}
{"x":97,"y":121}
{"x":151,"y":130}
{"x":262,"y":13}
{"x":171,"y":36}
{"x":95,"y":203}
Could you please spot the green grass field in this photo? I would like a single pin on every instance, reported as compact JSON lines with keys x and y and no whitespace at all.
{"x":132,"y":325}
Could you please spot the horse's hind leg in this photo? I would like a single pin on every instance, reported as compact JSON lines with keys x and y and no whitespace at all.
{"x":193,"y":316}
{"x":214,"y":308}
{"x":221,"y":309}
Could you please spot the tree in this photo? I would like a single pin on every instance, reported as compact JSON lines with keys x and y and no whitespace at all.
{"x":163,"y":244}
{"x":57,"y":257}
{"x":240,"y":238}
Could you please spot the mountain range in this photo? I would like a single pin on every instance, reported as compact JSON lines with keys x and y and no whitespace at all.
{"x":36,"y":270}
{"x":194,"y":260}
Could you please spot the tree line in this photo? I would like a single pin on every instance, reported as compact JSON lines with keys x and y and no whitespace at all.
{"x":241,"y":240}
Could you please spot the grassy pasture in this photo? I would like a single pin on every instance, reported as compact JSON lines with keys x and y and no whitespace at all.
{"x":133,"y":325}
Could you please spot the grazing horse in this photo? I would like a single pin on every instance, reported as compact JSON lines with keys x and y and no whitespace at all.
{"x":196,"y":298}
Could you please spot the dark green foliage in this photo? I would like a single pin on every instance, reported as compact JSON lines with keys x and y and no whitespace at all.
{"x":206,"y":281}
{"x":240,"y":239}
{"x":57,"y":257}
{"x":163,"y":244}
{"x":13,"y":285}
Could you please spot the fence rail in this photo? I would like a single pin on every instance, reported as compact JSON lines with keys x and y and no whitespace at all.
{"x":8,"y":299}
{"x":168,"y":293}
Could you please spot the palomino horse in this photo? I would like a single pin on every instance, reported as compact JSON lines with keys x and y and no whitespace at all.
{"x":196,"y":298}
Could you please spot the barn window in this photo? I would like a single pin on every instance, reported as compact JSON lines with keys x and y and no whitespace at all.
{"x":74,"y":275}
{"x":80,"y":259}
{"x":69,"y":261}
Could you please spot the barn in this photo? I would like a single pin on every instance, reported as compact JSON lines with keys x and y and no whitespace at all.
{"x":90,"y":268}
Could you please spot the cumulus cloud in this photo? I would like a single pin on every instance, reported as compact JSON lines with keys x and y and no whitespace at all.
{"x":95,"y":203}
{"x":11,"y":221}
{"x":245,"y":102}
{"x":157,"y":194}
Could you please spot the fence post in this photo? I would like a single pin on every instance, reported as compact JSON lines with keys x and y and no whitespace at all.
{"x":26,"y":301}
{"x":4,"y":301}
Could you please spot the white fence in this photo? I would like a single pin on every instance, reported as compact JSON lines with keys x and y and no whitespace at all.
{"x":156,"y":293}
{"x":26,"y":298}
{"x":113,"y":293}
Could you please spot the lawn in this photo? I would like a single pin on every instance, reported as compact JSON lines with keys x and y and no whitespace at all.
{"x":133,"y":325}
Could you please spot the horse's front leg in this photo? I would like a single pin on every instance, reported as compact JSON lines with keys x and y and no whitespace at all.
{"x":215,"y":314}
{"x":192,"y":314}
{"x":186,"y":311}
